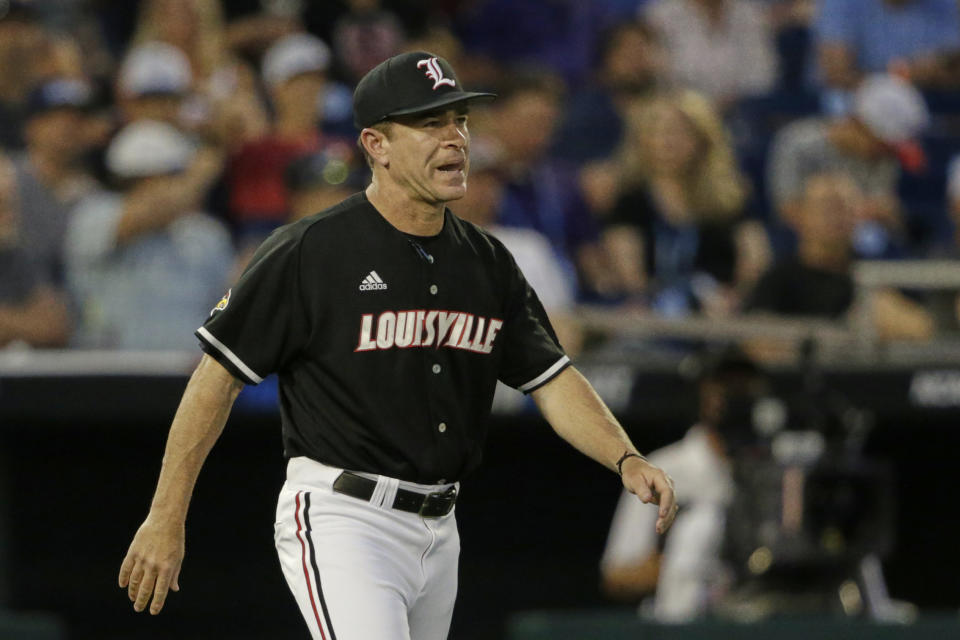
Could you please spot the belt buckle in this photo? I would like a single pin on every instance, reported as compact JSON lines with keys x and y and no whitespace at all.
{"x":442,"y":501}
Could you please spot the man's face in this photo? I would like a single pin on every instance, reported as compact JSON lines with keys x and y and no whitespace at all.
{"x":160,"y":107}
{"x":56,"y":132}
{"x":301,"y":91}
{"x":634,"y":62}
{"x":428,"y":155}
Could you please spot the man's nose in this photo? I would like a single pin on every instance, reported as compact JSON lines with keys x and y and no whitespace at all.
{"x":454,"y":136}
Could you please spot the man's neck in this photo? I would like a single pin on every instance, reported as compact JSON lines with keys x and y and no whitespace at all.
{"x":406,"y":214}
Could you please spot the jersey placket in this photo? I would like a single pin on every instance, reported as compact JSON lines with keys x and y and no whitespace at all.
{"x":436,"y":383}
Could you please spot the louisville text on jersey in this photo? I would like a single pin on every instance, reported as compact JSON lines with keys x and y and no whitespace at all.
{"x":428,"y":328}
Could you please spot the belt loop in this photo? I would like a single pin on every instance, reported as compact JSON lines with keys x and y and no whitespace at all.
{"x":376,"y":499}
{"x":390,"y":486}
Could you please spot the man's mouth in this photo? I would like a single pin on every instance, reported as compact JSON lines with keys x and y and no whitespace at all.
{"x":452,"y":167}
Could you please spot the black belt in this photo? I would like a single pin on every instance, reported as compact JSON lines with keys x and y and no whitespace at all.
{"x":427,"y":505}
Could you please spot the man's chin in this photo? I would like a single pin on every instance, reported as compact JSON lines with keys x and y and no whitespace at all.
{"x":451,"y":193}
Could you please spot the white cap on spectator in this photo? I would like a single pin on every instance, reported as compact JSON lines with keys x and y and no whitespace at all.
{"x":148,"y":148}
{"x":891,"y":108}
{"x":292,"y":55}
{"x":155,"y":68}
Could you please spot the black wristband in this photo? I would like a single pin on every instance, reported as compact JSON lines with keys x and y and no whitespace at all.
{"x":626,"y":455}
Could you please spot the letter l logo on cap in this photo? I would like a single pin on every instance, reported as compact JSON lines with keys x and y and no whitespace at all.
{"x":435,"y":73}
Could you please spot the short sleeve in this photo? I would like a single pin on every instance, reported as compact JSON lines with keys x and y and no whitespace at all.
{"x":259,"y":325}
{"x":532,"y":355}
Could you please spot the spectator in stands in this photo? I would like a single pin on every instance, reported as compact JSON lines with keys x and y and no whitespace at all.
{"x":313,"y":182}
{"x":687,"y":577}
{"x":195,"y":27}
{"x":722,"y":48}
{"x":144,"y":265}
{"x":817,"y":281}
{"x":153,"y":80}
{"x":316,"y":181}
{"x":919,"y":38}
{"x":51,"y":177}
{"x":364,"y":37}
{"x":220,"y":101}
{"x":540,"y":192}
{"x":21,"y":39}
{"x":294,"y":70}
{"x":530,"y":248}
{"x":888,"y":114}
{"x":630,"y":69}
{"x":677,"y":234}
{"x":32,"y":310}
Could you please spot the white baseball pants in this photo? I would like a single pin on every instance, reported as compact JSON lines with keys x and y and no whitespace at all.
{"x":361,"y":570}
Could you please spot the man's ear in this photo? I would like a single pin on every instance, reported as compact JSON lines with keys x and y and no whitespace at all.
{"x":377,"y":145}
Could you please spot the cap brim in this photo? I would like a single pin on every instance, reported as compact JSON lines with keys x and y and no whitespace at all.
{"x":443,"y":101}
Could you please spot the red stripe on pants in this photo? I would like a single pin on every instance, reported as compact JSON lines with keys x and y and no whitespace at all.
{"x":306,"y":574}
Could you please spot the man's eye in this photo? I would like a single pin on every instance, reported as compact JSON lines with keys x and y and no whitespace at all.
{"x":431,"y":123}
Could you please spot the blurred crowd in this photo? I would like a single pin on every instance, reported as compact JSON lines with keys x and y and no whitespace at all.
{"x":684,"y":157}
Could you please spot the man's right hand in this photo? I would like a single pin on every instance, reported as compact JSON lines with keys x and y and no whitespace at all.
{"x":152,"y":564}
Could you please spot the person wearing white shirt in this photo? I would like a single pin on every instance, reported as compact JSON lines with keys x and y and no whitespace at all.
{"x":684,"y":571}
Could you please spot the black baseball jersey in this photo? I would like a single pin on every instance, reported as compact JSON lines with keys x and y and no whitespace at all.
{"x":387,"y":346}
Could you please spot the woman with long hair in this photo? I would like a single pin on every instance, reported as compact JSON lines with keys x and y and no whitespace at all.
{"x":677,"y":235}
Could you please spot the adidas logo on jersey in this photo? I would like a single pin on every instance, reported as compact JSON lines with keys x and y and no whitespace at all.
{"x":372,"y":282}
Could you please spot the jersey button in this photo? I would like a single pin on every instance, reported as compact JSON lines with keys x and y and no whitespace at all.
{"x":442,"y":427}
{"x":436,"y":368}
{"x":433,"y":289}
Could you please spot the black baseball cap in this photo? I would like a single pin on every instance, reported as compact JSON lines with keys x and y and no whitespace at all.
{"x":405,"y":84}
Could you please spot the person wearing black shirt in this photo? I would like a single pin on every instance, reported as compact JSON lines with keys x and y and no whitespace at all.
{"x":388,"y":321}
{"x":817,"y":281}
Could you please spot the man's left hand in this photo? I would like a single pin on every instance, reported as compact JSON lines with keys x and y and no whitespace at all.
{"x":651,"y":484}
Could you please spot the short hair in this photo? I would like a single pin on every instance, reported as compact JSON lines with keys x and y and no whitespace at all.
{"x":384,"y":128}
